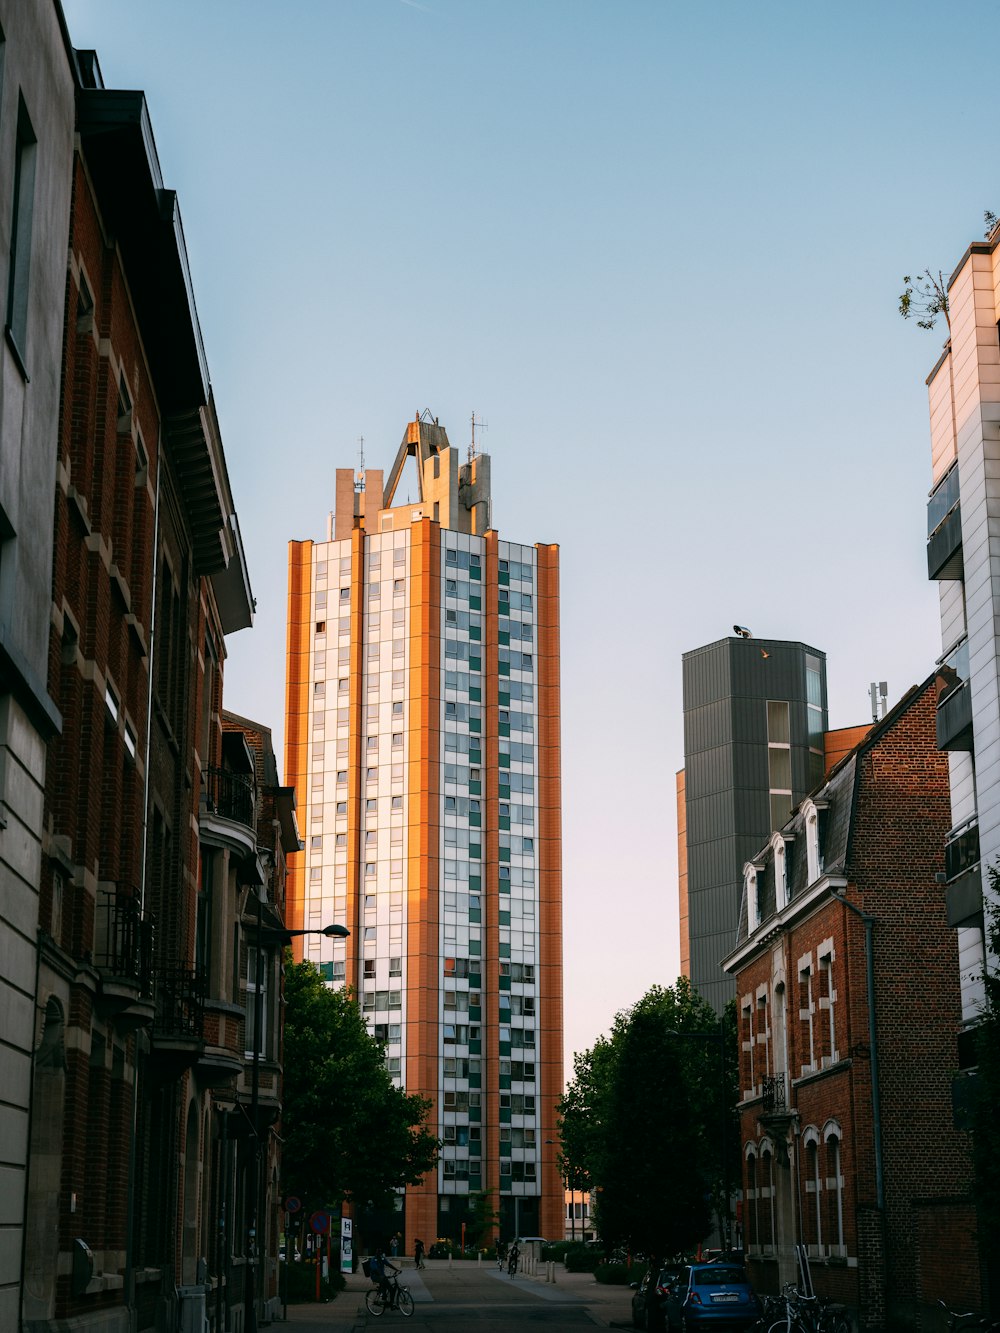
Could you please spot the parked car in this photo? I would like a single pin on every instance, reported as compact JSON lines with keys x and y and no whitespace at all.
{"x":649,"y":1298}
{"x":712,"y":1295}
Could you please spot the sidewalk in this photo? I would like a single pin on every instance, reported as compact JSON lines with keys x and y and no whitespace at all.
{"x":607,"y":1306}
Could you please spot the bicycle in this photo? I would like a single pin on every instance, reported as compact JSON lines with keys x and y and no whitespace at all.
{"x":804,"y":1314}
{"x":968,"y":1320}
{"x":512,"y":1265}
{"x":400,"y":1298}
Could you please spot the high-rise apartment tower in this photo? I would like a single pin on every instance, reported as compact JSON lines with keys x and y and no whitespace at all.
{"x":755,"y":721}
{"x":963,"y":512}
{"x":422,"y":736}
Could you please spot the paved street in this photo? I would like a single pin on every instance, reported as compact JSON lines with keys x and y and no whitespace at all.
{"x":471,"y":1295}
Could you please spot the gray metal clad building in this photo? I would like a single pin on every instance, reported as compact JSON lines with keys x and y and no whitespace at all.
{"x":755,"y":714}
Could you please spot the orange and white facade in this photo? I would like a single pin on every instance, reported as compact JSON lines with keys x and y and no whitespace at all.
{"x":422,"y":735}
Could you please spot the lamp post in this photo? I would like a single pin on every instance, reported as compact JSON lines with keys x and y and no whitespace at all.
{"x":271,"y":936}
{"x":719,"y":1035}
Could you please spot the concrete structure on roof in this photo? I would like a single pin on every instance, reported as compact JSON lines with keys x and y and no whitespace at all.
{"x":846,"y":1056}
{"x":422,"y":734}
{"x":755,"y":721}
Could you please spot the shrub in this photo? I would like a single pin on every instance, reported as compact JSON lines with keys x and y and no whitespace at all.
{"x":583,"y":1261}
{"x":558,"y":1249}
{"x":299,"y":1283}
{"x":616,"y":1275}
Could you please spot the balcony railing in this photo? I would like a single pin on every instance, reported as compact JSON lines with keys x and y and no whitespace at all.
{"x":774,"y":1096}
{"x":124,"y":938}
{"x":943,"y":499}
{"x":180,"y":1004}
{"x":954,"y":700}
{"x":961,"y":851}
{"x":944,"y":529}
{"x":231,"y":795}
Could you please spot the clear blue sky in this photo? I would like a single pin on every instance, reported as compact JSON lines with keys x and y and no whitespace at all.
{"x":658,"y":247}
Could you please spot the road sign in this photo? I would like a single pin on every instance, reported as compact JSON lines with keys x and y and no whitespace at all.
{"x":320,"y":1223}
{"x":293,"y":1204}
{"x":346,"y":1244}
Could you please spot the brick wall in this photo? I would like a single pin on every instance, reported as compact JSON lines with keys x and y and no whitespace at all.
{"x":900,"y":815}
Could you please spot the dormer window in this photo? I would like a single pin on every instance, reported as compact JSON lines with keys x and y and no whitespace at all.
{"x":814,"y":848}
{"x":751,"y":887}
{"x":780,"y":872}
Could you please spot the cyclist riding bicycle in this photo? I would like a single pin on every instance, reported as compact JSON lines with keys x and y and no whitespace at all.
{"x":381,"y":1270}
{"x":513,"y":1255}
{"x":501,"y":1254}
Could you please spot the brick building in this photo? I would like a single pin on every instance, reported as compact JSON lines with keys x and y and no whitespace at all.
{"x":36,"y":148}
{"x":163,"y":833}
{"x":848,"y":1145}
{"x":256,"y":1099}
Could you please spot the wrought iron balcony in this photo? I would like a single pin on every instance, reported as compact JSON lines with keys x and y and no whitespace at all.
{"x":231,"y":795}
{"x":775,"y":1100}
{"x":123,"y":939}
{"x":180,"y":1004}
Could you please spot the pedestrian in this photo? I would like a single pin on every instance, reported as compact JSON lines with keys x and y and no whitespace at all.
{"x":418,"y":1254}
{"x":394,"y":1246}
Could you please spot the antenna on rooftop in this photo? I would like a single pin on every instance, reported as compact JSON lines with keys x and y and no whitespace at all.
{"x":359,"y":485}
{"x":879,"y":694}
{"x":483,"y":425}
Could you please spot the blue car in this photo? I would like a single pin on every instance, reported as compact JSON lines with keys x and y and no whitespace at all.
{"x":715,"y":1295}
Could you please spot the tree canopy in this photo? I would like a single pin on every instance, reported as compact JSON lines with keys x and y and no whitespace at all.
{"x":986,"y":1137}
{"x":644,"y":1119}
{"x":348,"y":1131}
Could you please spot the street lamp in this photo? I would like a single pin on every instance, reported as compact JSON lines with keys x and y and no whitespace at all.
{"x":719,"y":1035}
{"x":272,"y":935}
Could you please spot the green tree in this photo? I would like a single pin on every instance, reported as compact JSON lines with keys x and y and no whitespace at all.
{"x":642,"y":1121}
{"x":349,"y":1132}
{"x":986,"y":1137}
{"x":925,"y":295}
{"x":484,"y":1218}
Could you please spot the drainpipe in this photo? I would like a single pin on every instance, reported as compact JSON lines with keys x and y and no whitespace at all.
{"x":869,"y":924}
{"x":130,"y":1201}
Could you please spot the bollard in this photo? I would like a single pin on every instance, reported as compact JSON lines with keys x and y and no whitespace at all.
{"x":479,"y":1258}
{"x":449,"y":1260}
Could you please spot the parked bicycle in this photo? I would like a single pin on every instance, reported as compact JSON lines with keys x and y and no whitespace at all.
{"x":959,"y":1323}
{"x":390,"y":1295}
{"x":794,"y":1312}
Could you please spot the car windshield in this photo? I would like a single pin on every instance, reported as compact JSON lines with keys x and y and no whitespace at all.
{"x":712,"y":1277}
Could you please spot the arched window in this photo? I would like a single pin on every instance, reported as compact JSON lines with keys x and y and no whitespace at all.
{"x":813,"y":1211}
{"x":752,"y":891}
{"x":780,"y":872}
{"x":753,"y":1201}
{"x":766,"y":1190}
{"x":814,"y":855}
{"x":834,"y":1189}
